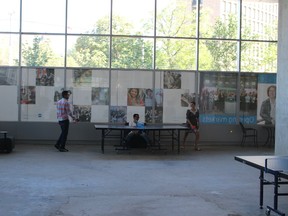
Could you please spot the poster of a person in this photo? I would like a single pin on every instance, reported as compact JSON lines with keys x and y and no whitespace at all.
{"x":266,"y":99}
{"x":159,"y":97}
{"x":149,"y":98}
{"x":267,"y":109}
{"x":28,"y":95}
{"x":135,"y":97}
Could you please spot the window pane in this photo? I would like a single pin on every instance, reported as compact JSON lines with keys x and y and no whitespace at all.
{"x":43,"y":50}
{"x":219,"y":19}
{"x":218,"y":55}
{"x":88,"y":51}
{"x":176,"y":18}
{"x":134,"y":17}
{"x":89,"y":16}
{"x":259,"y":57}
{"x":176,"y":54}
{"x":223,"y":55}
{"x":260,"y":19}
{"x":9,"y":15}
{"x":132,"y":53}
{"x":43,"y":16}
{"x":9,"y":49}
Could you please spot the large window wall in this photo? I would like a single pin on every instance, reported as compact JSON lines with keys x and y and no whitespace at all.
{"x":219,"y":53}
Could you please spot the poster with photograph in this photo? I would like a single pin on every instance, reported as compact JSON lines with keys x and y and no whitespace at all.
{"x":172,"y":80}
{"x":82,"y":77}
{"x":100,"y":96}
{"x":159,"y":97}
{"x":156,"y":114}
{"x":187,"y":98}
{"x":8,"y":76}
{"x":153,"y":99}
{"x":135,"y":97}
{"x":45,"y":77}
{"x":248,"y":98}
{"x":218,"y":98}
{"x":266,"y":99}
{"x":118,"y":114}
{"x":27,"y":95}
{"x":58,"y":94}
{"x":82,"y":112}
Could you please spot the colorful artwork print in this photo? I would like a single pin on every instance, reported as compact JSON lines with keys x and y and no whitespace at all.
{"x":135,"y":97}
{"x":45,"y":77}
{"x":144,"y":97}
{"x":118,"y":114}
{"x":83,"y":112}
{"x":100,"y":96}
{"x":27,"y":95}
{"x":82,"y":77}
{"x":156,"y":114}
{"x":172,"y":80}
{"x":187,"y":98}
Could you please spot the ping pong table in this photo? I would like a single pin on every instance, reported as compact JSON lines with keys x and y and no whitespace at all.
{"x":173,"y":131}
{"x":277,"y":166}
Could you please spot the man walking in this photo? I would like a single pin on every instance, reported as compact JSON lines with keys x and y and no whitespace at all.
{"x":63,"y":113}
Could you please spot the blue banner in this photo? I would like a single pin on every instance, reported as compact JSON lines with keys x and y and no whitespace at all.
{"x":267,"y":78}
{"x":224,"y":119}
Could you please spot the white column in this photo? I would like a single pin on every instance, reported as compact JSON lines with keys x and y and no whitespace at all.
{"x":281,"y":127}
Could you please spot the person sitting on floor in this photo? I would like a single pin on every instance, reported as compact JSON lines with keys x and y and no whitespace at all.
{"x":135,"y":134}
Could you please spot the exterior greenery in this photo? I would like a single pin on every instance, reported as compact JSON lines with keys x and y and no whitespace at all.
{"x":175,"y":45}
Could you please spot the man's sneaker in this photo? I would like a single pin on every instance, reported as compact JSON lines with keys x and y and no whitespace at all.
{"x":63,"y":150}
{"x":57,"y":146}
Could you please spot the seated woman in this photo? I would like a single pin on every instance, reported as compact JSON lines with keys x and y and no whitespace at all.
{"x":192,"y":122}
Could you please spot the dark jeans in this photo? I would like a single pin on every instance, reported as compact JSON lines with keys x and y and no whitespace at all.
{"x":139,"y":139}
{"x":64,"y":133}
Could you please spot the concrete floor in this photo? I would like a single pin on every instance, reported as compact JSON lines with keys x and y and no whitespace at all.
{"x":37,"y":180}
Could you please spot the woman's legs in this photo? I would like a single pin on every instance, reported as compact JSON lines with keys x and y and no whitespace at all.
{"x":197,"y":137}
{"x":184,"y":139}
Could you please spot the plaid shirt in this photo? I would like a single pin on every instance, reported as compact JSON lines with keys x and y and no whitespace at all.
{"x":63,"y":110}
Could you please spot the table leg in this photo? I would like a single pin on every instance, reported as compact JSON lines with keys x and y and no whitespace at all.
{"x":261,"y":188}
{"x":172,"y":136}
{"x":276,"y":179}
{"x":276,"y":194}
{"x":178,"y":139}
{"x":102,"y":140}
